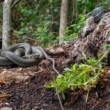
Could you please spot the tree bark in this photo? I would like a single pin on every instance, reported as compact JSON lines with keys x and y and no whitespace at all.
{"x":75,"y":9}
{"x":90,"y":42}
{"x":7,"y":27}
{"x":63,"y":19}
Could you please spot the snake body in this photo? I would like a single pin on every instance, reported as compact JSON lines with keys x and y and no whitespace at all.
{"x":20,"y":52}
{"x":25,"y":46}
{"x":4,"y":61}
{"x":24,"y":55}
{"x":19,"y":60}
{"x":38,"y":52}
{"x":51,"y":59}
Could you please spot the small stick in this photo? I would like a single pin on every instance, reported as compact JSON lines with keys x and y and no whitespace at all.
{"x":59,"y":99}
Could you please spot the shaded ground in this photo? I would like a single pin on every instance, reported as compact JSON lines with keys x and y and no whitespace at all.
{"x":31,"y":95}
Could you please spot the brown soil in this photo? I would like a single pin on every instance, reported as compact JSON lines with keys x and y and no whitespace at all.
{"x":31,"y":95}
{"x":24,"y":88}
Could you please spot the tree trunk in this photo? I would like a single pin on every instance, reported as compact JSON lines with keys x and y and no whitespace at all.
{"x":75,"y":9}
{"x":63,"y":19}
{"x":7,"y":28}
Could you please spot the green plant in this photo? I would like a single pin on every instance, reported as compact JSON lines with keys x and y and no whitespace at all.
{"x":85,"y":5}
{"x":83,"y":76}
{"x":37,"y":20}
{"x":75,"y":28}
{"x":80,"y":22}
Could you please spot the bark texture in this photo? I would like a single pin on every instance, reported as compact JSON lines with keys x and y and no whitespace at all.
{"x":7,"y":29}
{"x":63,"y":19}
{"x":91,"y":40}
{"x":75,"y":9}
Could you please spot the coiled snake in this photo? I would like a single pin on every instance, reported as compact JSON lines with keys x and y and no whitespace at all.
{"x":4,"y":61}
{"x":24,"y":55}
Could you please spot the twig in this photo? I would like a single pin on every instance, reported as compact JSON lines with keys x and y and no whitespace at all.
{"x":87,"y":96}
{"x":104,"y":55}
{"x":60,"y":102}
{"x":56,"y":87}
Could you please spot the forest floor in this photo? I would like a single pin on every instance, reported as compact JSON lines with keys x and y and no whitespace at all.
{"x":30,"y":94}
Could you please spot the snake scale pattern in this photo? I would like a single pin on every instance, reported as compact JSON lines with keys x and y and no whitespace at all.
{"x":24,"y":55}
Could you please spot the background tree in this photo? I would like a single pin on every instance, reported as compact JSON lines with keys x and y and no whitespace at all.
{"x":6,"y":36}
{"x":63,"y":19}
{"x":39,"y":20}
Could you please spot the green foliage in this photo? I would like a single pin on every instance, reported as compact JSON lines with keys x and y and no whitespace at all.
{"x":40,"y":34}
{"x":72,"y":30}
{"x":85,"y":5}
{"x":39,"y":19}
{"x":104,"y":3}
{"x":80,"y":23}
{"x":83,"y":76}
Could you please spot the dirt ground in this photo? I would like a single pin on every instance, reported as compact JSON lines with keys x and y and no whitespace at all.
{"x":23,"y":88}
{"x":31,"y":95}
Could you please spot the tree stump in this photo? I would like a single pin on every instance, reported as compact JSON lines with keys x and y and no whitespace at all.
{"x":91,"y":40}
